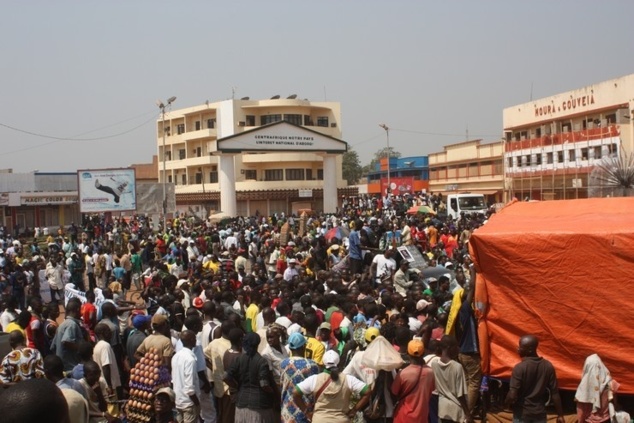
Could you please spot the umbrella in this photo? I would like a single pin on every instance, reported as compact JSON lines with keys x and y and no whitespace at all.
{"x":339,"y":232}
{"x":421,"y":210}
{"x":219,"y":217}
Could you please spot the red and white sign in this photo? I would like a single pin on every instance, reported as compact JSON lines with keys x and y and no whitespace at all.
{"x":398,"y":186}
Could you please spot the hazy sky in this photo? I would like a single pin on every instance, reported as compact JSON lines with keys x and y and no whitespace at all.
{"x":429,"y":70}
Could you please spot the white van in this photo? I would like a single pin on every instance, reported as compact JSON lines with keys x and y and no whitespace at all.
{"x":465,"y":203}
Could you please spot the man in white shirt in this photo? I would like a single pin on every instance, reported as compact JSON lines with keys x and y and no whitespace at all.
{"x":54,"y":275}
{"x":185,"y":380}
{"x":231,"y":240}
{"x":384,"y":266}
{"x":273,"y":261}
{"x":291,"y":270}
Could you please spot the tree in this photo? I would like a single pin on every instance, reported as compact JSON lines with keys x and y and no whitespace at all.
{"x":351,"y":167}
{"x":381,"y":154}
{"x":613,"y":176}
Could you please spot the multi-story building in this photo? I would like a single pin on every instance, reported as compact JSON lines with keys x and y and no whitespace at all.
{"x":407,"y":175}
{"x":277,"y":155}
{"x":553,"y":144}
{"x":468,"y":166}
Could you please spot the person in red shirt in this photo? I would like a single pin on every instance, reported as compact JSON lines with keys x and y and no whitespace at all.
{"x":161,"y":247}
{"x":89,"y":313}
{"x":413,"y":387}
{"x":35,"y":329}
{"x":451,"y":244}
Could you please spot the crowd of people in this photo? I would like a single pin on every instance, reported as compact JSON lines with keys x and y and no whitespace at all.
{"x":256,"y":319}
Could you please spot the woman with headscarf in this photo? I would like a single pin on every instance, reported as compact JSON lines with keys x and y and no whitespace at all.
{"x":332,"y":392}
{"x":250,"y":374}
{"x":595,"y":392}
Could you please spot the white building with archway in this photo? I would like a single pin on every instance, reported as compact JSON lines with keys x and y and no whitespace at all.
{"x":279,"y":155}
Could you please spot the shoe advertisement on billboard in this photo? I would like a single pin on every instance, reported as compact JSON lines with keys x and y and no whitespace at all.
{"x":105,"y":190}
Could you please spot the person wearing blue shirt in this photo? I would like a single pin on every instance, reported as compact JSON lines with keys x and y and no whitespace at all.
{"x":354,"y":249}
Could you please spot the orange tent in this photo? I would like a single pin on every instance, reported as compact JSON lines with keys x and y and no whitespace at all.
{"x":563,"y":271}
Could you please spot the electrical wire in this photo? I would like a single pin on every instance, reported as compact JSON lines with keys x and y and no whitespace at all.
{"x":421,"y":133}
{"x":368,"y":140}
{"x":440,"y":134}
{"x":75,"y":138}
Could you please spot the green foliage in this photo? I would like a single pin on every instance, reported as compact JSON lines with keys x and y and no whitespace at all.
{"x":351,"y":167}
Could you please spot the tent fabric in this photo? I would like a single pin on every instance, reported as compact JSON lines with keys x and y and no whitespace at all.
{"x":563,"y":271}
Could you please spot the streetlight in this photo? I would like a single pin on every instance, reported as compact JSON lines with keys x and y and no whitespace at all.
{"x":387,"y":136}
{"x":162,"y":106}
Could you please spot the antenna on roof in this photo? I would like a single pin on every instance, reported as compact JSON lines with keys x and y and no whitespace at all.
{"x":275,"y":97}
{"x":531,"y":99}
{"x":233,"y":92}
{"x":244,"y":98}
{"x":292,"y":97}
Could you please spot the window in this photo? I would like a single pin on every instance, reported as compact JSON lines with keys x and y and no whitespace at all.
{"x":613,"y":149}
{"x":528,"y":160}
{"x":309,"y":174}
{"x":566,"y":127}
{"x":611,"y":118}
{"x":308,"y":121}
{"x":211,"y":123}
{"x":250,"y":174}
{"x":538,"y":132}
{"x":549,"y":158}
{"x":294,"y":119}
{"x":294,"y":174}
{"x":538,"y":159}
{"x":199,"y":151}
{"x":322,"y":121}
{"x":199,"y":178}
{"x":197,"y":125}
{"x":180,"y":128}
{"x":584,"y":154}
{"x":524,"y":135}
{"x":273,"y":175}
{"x":572,"y":155}
{"x":213,"y":177}
{"x":250,"y":120}
{"x":597,"y":152}
{"x":265,"y":120}
{"x":168,"y":155}
{"x":181,"y":154}
{"x":510,"y":161}
{"x":169,"y":179}
{"x":184,"y":179}
{"x":497,"y":168}
{"x":560,"y":157}
{"x":320,"y":174}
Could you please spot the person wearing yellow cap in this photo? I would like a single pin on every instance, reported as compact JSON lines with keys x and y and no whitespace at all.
{"x":413,"y":386}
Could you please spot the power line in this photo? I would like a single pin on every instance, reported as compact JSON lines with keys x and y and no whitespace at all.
{"x":368,"y":140}
{"x":440,"y":134}
{"x":58,"y":139}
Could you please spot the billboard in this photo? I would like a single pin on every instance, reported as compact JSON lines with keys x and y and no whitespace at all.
{"x":399,"y":185}
{"x":103,"y":190}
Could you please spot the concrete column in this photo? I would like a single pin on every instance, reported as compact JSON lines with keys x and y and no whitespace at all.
{"x":330,"y":183}
{"x":227,"y":183}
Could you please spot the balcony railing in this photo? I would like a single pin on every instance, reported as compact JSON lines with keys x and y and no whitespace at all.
{"x":565,"y":137}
